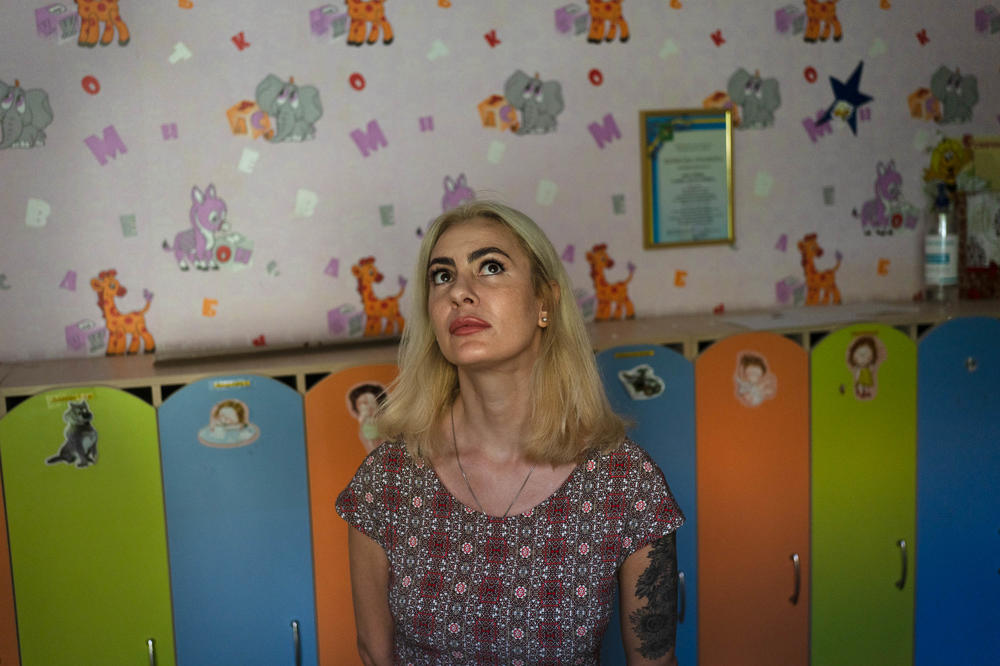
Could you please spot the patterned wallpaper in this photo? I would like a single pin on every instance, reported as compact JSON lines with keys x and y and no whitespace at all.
{"x":186,"y":175}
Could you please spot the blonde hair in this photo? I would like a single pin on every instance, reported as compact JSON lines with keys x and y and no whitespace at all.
{"x":571,"y":416}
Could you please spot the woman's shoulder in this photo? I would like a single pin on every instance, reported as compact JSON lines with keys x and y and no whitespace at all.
{"x":391,"y":460}
{"x":627,"y":458}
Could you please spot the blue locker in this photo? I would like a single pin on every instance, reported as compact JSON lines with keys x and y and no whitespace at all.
{"x":958,"y":494}
{"x":659,"y":400}
{"x":238,"y":529}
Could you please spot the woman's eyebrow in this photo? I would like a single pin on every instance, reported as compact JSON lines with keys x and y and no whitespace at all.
{"x":447,"y":261}
{"x":483,"y":251}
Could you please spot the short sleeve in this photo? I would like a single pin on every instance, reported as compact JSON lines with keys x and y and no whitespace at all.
{"x":372,"y":496}
{"x":653,"y":512}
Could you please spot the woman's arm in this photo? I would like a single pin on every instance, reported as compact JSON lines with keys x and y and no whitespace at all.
{"x":370,"y":588}
{"x":647,"y":583}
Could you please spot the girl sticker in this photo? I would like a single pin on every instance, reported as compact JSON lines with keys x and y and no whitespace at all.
{"x":363,"y":401}
{"x":754,"y":383}
{"x":864,"y":355}
{"x":229,"y":426}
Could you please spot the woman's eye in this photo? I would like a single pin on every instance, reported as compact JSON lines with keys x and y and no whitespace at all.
{"x":440,"y":277}
{"x":491,"y":268}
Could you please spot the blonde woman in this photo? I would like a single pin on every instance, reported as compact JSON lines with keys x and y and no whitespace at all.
{"x":506,"y":504}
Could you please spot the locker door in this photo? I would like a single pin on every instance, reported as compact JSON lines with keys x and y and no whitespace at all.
{"x":660,"y":403}
{"x":752,"y":422}
{"x":863,"y":496}
{"x":237,"y":506}
{"x":8,"y":621}
{"x":87,"y":539}
{"x":958,"y":504}
{"x":338,"y":437}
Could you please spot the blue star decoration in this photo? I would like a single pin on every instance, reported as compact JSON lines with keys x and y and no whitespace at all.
{"x":847,"y":99}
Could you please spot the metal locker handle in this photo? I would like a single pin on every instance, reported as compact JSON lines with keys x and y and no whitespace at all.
{"x":798,"y":578}
{"x":901,"y":583}
{"x":682,"y":589}
{"x":298,"y":643}
{"x":151,"y":650}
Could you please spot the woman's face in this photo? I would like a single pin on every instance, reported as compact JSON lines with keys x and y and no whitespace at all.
{"x":480,"y":301}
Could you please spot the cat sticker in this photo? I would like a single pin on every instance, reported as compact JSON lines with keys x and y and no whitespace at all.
{"x":864,"y":356}
{"x":229,"y":426}
{"x":641,"y":382}
{"x":80,"y":445}
{"x":363,"y":400}
{"x":753,"y":381}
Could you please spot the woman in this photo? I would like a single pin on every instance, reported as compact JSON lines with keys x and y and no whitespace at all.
{"x":494,"y":524}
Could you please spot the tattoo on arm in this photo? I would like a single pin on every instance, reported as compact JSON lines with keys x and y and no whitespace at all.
{"x":655,"y":625}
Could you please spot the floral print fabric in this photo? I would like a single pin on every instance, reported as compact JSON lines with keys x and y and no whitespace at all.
{"x":532,"y":588}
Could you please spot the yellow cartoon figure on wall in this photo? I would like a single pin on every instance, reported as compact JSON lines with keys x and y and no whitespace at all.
{"x":382,"y":314}
{"x":821,"y":286}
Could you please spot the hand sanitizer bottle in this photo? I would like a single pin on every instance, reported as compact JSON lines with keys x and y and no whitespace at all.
{"x":941,"y":251}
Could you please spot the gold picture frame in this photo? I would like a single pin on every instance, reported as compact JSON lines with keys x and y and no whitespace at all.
{"x":687,"y":177}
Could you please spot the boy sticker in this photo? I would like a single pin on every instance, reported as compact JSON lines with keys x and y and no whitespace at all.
{"x":229,"y":426}
{"x":753,"y":382}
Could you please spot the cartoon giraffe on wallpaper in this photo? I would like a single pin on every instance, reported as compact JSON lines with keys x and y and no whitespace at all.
{"x":607,"y":294}
{"x":818,"y":282}
{"x":378,"y":309}
{"x":362,"y":13}
{"x":92,"y":12}
{"x":120,"y":325}
{"x":607,"y":12}
{"x":822,"y":13}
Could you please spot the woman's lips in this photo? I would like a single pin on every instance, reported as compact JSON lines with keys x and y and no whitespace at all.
{"x":467,"y":326}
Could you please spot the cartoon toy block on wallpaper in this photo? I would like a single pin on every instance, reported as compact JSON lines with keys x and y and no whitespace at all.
{"x":327,"y":21}
{"x":987,"y":20}
{"x":365,"y":13}
{"x":57,"y":22}
{"x":720,"y":100}
{"x":382,"y":314}
{"x":790,"y":19}
{"x":209,"y":242}
{"x":924,"y":105}
{"x":248,"y":118}
{"x":606,"y":20}
{"x":612,"y":298}
{"x":496,"y":111}
{"x":24,"y":115}
{"x":294,"y":108}
{"x":821,"y":18}
{"x":122,"y":325}
{"x":571,"y":19}
{"x":85,"y":335}
{"x":821,"y":286}
{"x":92,"y":14}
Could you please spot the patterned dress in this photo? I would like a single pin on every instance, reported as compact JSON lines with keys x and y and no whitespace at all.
{"x":532,"y":588}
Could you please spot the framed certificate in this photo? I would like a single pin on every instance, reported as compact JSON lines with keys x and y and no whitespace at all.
{"x":687,"y":177}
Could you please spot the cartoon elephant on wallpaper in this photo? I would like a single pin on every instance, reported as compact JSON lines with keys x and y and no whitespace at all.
{"x":24,"y":114}
{"x":538,"y":101}
{"x":294,"y":108}
{"x":758,"y":97}
{"x":957,"y":94}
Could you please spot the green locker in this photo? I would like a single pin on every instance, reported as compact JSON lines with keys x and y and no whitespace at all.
{"x":84,"y":505}
{"x":863,"y":388}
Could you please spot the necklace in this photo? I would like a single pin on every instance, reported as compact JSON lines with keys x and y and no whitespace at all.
{"x":454,"y":442}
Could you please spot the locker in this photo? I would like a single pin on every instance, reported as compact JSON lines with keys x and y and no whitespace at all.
{"x":654,"y":388}
{"x":863,"y":380}
{"x":958,"y":506}
{"x":338,"y":437}
{"x":752,"y":421}
{"x":85,"y":514}
{"x":237,"y":509}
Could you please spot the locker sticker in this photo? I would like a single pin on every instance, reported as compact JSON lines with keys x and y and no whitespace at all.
{"x":363,"y":400}
{"x":229,"y":426}
{"x":79,"y":445}
{"x":864,"y":356}
{"x":641,"y":382}
{"x":753,"y":381}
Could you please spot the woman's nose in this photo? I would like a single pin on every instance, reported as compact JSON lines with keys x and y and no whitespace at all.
{"x":463,"y":290}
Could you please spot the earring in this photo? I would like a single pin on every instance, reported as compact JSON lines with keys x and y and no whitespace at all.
{"x":545,"y":319}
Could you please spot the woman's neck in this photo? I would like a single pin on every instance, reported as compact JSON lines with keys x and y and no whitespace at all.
{"x":493,"y":415}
